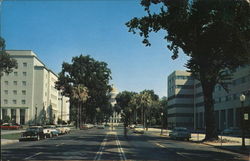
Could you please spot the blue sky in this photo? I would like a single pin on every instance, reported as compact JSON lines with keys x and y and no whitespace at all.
{"x":58,"y":30}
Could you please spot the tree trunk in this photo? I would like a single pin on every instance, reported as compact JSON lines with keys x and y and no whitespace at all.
{"x":210,"y":126}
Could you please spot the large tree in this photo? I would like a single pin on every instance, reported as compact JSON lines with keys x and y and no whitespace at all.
{"x":92,"y":74}
{"x":215,"y":34}
{"x":123,"y":101}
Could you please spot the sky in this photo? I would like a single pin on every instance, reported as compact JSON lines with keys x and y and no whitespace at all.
{"x":59,"y":30}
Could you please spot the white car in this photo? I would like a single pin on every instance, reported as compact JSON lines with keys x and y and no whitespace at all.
{"x":138,"y":129}
{"x":47,"y":131}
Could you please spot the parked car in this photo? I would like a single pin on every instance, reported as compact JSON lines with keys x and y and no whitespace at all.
{"x":66,"y":128}
{"x":132,"y":126}
{"x":33,"y":133}
{"x":61,"y":129}
{"x":51,"y":130}
{"x":100,"y":126}
{"x":10,"y":126}
{"x":138,"y":129}
{"x":232,"y":131}
{"x":180,"y":133}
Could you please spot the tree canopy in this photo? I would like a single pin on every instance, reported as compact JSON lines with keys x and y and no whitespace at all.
{"x":215,"y":34}
{"x":7,"y":64}
{"x":92,"y":74}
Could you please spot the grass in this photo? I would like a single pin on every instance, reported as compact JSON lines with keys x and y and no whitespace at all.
{"x":11,"y":136}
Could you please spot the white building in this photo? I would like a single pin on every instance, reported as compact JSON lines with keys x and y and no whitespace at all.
{"x":116,"y":117}
{"x":186,"y":103}
{"x":28,"y":94}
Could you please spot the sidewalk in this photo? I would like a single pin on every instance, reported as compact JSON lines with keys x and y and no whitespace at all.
{"x":8,"y":141}
{"x":228,"y":143}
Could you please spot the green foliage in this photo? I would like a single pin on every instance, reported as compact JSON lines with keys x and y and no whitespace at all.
{"x":7,"y":64}
{"x":6,"y":119}
{"x":92,"y":74}
{"x":214,"y":34}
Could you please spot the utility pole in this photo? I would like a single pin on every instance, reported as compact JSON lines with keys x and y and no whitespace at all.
{"x":36,"y":115}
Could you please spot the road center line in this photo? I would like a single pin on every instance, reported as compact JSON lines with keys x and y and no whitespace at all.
{"x":33,"y":156}
{"x":103,"y":144}
{"x":121,"y":152}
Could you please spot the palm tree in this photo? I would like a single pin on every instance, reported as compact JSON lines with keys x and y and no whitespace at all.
{"x":80,"y":93}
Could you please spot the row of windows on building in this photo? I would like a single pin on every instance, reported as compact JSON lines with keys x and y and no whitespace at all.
{"x":6,"y":92}
{"x":180,"y":77}
{"x":14,"y":101}
{"x":15,"y":83}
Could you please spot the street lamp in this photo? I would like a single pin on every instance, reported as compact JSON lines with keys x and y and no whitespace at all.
{"x":161,"y":122}
{"x":242,"y":100}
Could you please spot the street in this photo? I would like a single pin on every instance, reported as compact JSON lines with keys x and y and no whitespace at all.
{"x":105,"y":144}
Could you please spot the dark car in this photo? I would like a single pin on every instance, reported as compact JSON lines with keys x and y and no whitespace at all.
{"x":234,"y":131}
{"x":33,"y":133}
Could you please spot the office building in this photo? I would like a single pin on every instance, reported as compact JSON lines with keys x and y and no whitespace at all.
{"x":28,"y":94}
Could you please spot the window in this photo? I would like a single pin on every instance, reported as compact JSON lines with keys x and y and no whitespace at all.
{"x":6,"y":82}
{"x":15,"y":83}
{"x":15,"y":92}
{"x":24,"y":83}
{"x":24,"y":73}
{"x":5,"y":101}
{"x":23,"y":102}
{"x":14,"y":101}
{"x":6,"y":92}
{"x":23,"y":92}
{"x":24,"y":64}
{"x":15,"y":73}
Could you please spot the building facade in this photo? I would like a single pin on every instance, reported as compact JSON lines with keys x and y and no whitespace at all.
{"x":28,"y":94}
{"x":227,"y":105}
{"x":180,"y":99}
{"x":116,"y":117}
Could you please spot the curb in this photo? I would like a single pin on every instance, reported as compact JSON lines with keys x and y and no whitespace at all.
{"x":6,"y":141}
{"x":231,"y":150}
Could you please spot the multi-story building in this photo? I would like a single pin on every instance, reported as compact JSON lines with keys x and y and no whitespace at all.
{"x":227,"y":105}
{"x":180,"y":99}
{"x":28,"y":94}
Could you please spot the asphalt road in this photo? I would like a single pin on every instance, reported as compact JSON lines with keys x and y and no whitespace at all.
{"x":105,"y":144}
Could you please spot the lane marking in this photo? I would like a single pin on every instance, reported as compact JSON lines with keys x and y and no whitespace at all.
{"x":120,"y":150}
{"x":33,"y":155}
{"x":102,"y":146}
{"x":160,"y":145}
{"x":188,"y":158}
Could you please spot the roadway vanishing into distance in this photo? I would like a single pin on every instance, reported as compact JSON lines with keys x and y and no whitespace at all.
{"x":105,"y":144}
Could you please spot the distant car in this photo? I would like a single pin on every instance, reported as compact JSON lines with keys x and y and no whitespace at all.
{"x":180,"y":133}
{"x":100,"y":127}
{"x":66,"y":128}
{"x":10,"y":126}
{"x":61,"y":129}
{"x":132,"y":126}
{"x":33,"y":133}
{"x":138,"y":129}
{"x":232,"y":131}
{"x":51,"y":131}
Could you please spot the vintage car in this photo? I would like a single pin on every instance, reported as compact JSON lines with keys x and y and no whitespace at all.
{"x":180,"y":133}
{"x":10,"y":126}
{"x":50,"y":130}
{"x":33,"y":133}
